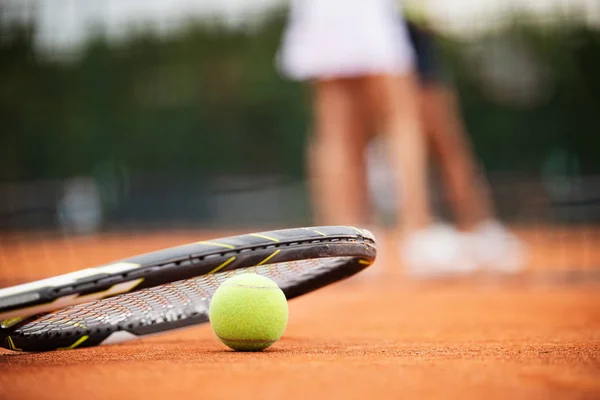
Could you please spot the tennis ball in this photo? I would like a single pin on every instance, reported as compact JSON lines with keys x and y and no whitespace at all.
{"x":248,"y":312}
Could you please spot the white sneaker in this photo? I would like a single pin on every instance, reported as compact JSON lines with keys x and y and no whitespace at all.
{"x":436,"y":251}
{"x":494,"y":248}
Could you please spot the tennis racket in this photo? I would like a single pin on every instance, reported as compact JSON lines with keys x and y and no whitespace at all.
{"x":169,"y":289}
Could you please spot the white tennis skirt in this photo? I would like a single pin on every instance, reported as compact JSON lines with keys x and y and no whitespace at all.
{"x":328,"y":39}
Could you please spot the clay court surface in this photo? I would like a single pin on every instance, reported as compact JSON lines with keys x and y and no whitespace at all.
{"x":377,"y":335}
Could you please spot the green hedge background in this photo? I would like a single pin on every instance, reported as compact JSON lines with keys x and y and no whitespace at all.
{"x":210,"y":101}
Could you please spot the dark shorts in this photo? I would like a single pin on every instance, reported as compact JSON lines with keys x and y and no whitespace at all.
{"x":428,"y":58}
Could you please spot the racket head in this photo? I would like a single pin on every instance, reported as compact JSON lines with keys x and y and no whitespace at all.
{"x":308,"y":263}
{"x":169,"y":265}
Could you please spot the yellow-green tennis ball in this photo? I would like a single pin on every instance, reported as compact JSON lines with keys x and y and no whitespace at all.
{"x":248,"y":312}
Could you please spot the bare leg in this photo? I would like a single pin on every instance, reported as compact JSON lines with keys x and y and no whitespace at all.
{"x":394,"y":104}
{"x":336,"y":159}
{"x":467,"y":190}
{"x":491,"y":245}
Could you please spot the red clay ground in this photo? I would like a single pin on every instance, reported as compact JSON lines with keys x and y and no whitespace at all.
{"x":377,"y":335}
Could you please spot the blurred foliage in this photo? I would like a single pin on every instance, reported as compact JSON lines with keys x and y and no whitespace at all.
{"x":546,"y":107}
{"x":208,"y":101}
{"x":203,"y":101}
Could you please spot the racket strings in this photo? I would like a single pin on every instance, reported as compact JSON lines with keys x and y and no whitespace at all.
{"x":165,"y":303}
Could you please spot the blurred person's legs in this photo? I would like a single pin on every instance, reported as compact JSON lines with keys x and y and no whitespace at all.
{"x":425,"y":245}
{"x":335,"y":153}
{"x":359,"y":58}
{"x":344,"y":109}
{"x":449,"y":145}
{"x":468,"y":193}
{"x":393,"y":103}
